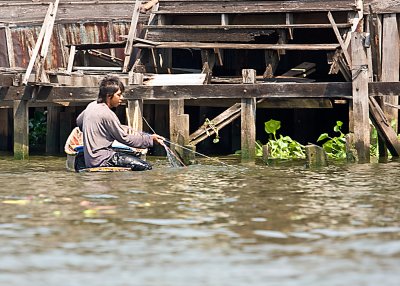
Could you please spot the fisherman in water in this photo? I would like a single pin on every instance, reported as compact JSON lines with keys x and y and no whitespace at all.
{"x":101,"y":126}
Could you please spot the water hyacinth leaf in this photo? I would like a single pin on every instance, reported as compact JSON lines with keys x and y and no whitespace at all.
{"x":323,"y":136}
{"x":272,"y":126}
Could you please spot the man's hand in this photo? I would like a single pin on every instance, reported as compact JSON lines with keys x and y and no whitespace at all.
{"x":158,"y":139}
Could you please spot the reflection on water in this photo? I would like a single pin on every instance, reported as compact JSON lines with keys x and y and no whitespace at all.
{"x":207,"y":224}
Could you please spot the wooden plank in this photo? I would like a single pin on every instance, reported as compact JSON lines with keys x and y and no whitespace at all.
{"x":131,"y":35}
{"x":71,"y":58}
{"x":383,"y":7}
{"x":40,"y":74}
{"x":339,"y":38}
{"x":81,"y":94}
{"x":243,"y":7}
{"x":360,"y":98}
{"x":135,"y":114}
{"x":227,"y":27}
{"x":384,"y":128}
{"x":10,"y":47}
{"x":207,"y":35}
{"x":235,"y":46}
{"x":174,"y":79}
{"x":38,"y":44}
{"x":390,"y":60}
{"x":248,"y":119}
{"x":21,"y":130}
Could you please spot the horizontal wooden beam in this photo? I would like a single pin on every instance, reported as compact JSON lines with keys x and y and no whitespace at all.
{"x":232,"y":27}
{"x":218,"y":7}
{"x":236,"y":46}
{"x":78,"y":94}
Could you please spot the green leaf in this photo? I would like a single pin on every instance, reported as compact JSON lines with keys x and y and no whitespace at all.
{"x":323,"y":137}
{"x":272,"y":126}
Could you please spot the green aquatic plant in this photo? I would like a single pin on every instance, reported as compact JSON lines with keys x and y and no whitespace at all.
{"x":335,"y":147}
{"x":283,"y":147}
{"x":37,"y":129}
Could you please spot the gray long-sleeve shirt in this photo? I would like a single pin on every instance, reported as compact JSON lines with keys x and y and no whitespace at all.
{"x":100,"y":127}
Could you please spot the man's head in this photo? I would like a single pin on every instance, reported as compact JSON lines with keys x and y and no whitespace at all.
{"x":110,"y":92}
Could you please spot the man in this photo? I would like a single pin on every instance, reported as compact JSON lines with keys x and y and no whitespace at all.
{"x":100,"y":127}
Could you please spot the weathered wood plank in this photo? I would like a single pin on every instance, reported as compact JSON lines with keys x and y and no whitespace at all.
{"x":193,"y":7}
{"x":207,"y":35}
{"x":233,"y":91}
{"x":248,"y":119}
{"x":383,"y":7}
{"x":390,"y":60}
{"x":360,"y":98}
{"x":384,"y":128}
{"x":131,"y":35}
{"x":199,"y":45}
{"x":21,"y":130}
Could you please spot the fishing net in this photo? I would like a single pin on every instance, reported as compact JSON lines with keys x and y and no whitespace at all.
{"x":173,"y":159}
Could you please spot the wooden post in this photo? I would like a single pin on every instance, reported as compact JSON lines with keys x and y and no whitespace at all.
{"x":21,"y":130}
{"x":53,"y":130}
{"x":135,"y":114}
{"x":134,"y":108}
{"x":360,"y":97}
{"x":131,"y":35}
{"x":5,"y":121}
{"x":67,"y":123}
{"x":248,"y":119}
{"x":390,"y":62}
{"x":316,"y":156}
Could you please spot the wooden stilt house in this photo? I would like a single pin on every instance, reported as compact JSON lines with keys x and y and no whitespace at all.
{"x":196,"y":67}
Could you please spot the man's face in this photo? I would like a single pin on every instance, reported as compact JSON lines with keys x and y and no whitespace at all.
{"x":116,"y":99}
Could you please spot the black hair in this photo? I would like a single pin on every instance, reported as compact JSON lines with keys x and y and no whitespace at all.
{"x":109,"y":85}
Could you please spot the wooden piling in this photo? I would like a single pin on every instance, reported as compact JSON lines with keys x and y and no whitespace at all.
{"x":21,"y":130}
{"x":248,"y":119}
{"x":390,"y":62}
{"x":316,"y":156}
{"x":360,"y":97}
{"x":5,"y":132}
{"x":53,"y":130}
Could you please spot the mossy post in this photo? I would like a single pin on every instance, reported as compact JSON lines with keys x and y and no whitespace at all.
{"x":316,"y":156}
{"x":21,"y":130}
{"x":248,"y":119}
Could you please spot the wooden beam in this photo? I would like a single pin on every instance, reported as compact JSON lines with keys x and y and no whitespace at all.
{"x":40,"y":74}
{"x":384,"y":128}
{"x":38,"y":44}
{"x":339,"y":38}
{"x":390,"y":61}
{"x":360,"y":98}
{"x":21,"y":130}
{"x":248,"y":119}
{"x":199,"y":45}
{"x":81,"y":94}
{"x":131,"y":35}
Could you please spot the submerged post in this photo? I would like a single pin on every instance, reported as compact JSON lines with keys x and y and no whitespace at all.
{"x":21,"y":130}
{"x":360,"y":97}
{"x":248,"y":119}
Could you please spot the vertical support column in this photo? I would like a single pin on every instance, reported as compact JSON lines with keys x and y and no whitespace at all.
{"x":248,"y":119}
{"x":176,"y":108}
{"x":134,"y":109}
{"x":390,"y":62}
{"x":360,"y":97}
{"x":67,"y":123}
{"x":4,"y":129}
{"x":21,"y":130}
{"x":135,"y":114}
{"x":53,"y":130}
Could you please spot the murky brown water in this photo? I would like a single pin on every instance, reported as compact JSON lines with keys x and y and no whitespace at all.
{"x":202,"y":225}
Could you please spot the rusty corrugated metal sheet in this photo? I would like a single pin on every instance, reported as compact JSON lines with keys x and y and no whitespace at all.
{"x":3,"y":49}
